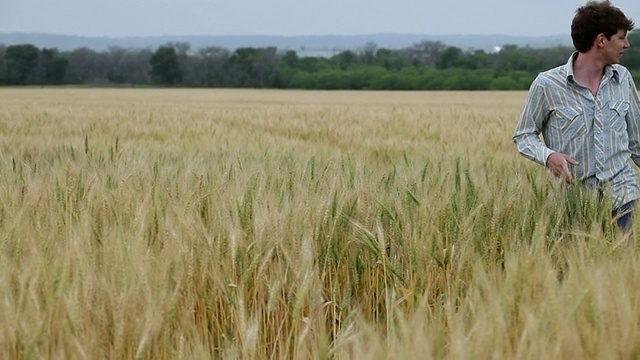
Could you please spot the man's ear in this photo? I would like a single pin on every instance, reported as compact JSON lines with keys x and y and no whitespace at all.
{"x":600,"y":40}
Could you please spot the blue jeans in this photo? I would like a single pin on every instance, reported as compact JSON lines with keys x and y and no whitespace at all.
{"x":624,"y":216}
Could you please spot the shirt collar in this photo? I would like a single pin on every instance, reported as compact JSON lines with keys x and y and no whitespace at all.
{"x":610,"y":71}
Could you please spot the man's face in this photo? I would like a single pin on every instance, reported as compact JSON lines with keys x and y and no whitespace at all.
{"x":614,"y":48}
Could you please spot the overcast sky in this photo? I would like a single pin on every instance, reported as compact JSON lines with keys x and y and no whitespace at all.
{"x":116,"y":18}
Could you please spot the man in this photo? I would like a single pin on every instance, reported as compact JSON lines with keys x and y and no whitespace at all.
{"x":588,"y":112}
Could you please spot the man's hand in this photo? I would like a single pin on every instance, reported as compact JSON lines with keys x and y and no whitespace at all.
{"x":559,"y":165}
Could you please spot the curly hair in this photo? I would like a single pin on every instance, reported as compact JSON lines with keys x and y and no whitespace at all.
{"x":597,"y":18}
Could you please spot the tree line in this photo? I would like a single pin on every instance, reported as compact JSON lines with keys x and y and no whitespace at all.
{"x":427,"y":65}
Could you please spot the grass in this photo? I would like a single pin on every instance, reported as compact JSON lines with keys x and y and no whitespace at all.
{"x":283,"y":224}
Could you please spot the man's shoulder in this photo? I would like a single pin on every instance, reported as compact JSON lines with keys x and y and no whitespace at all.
{"x":621,"y":70}
{"x":555,"y":75}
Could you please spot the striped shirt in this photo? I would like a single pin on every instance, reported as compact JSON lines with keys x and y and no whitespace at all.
{"x":602,"y":132}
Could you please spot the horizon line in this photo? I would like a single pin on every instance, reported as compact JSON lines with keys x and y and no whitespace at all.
{"x":279,"y":36}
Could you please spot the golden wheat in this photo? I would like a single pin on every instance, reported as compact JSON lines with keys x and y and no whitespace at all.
{"x":284,"y":224}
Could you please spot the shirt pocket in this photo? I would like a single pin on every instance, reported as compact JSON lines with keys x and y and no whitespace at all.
{"x":615,"y":114}
{"x":570,"y":122}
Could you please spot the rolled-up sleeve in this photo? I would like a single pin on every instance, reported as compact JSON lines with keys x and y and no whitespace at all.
{"x":633,"y":122}
{"x":527,"y":133}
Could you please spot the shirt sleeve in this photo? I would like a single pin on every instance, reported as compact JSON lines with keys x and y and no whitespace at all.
{"x":532,"y":119}
{"x":633,"y":122}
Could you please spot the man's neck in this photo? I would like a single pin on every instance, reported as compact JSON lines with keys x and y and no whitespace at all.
{"x":588,"y":67}
{"x":588,"y":70}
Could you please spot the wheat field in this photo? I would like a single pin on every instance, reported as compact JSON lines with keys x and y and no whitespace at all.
{"x":243,"y":224}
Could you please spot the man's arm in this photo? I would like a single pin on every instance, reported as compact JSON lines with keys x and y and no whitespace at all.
{"x":527,"y":133}
{"x":633,"y":122}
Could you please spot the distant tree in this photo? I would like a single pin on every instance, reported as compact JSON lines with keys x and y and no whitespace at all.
{"x":314,"y":64}
{"x":136,"y":66}
{"x":185,"y":59}
{"x":21,"y":64}
{"x":205,"y":68}
{"x":368,"y":53}
{"x":304,"y":80}
{"x":332,"y":79}
{"x":631,"y":57}
{"x":476,"y":59}
{"x":115,"y":56}
{"x":549,"y":57}
{"x":424,"y":65}
{"x":291,"y":59}
{"x":86,"y":66}
{"x":165,"y":67}
{"x":3,"y":49}
{"x":391,"y":60}
{"x":218,"y":59}
{"x":265,"y":66}
{"x":52,"y":67}
{"x":345,"y":59}
{"x":128,"y":66}
{"x":513,"y":58}
{"x":504,"y":83}
{"x":432,"y":79}
{"x":449,"y":58}
{"x":381,"y":57}
{"x":395,"y":81}
{"x":425,"y":53}
{"x":253,"y":67}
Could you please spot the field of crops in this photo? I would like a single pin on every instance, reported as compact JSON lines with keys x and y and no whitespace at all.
{"x":195,"y":224}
